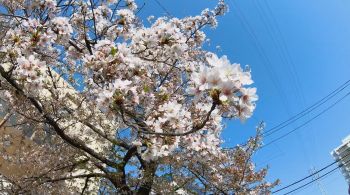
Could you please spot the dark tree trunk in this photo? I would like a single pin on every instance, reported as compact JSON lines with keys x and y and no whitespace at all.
{"x":146,"y":186}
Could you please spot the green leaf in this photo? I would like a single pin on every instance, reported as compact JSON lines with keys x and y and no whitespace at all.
{"x":114,"y":51}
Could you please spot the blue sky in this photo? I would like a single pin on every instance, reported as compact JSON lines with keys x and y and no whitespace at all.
{"x":298,"y":52}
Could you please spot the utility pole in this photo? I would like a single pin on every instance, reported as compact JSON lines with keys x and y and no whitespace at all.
{"x":318,"y":182}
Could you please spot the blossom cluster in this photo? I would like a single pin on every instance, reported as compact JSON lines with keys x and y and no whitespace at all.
{"x":31,"y":70}
{"x":160,"y":74}
{"x":226,"y":82}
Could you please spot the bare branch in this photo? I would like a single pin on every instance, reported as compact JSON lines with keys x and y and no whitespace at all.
{"x":5,"y":119}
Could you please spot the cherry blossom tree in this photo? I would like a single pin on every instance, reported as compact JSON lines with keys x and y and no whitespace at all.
{"x":121,"y":106}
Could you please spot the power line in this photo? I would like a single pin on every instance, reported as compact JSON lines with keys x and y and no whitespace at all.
{"x":301,"y":114}
{"x":304,"y":112}
{"x":163,"y":8}
{"x":284,"y":49}
{"x":283,"y":52}
{"x":307,"y":122}
{"x":307,"y":177}
{"x":314,"y":173}
{"x":307,"y":110}
{"x":271,"y":25}
{"x":276,"y":36}
{"x":265,"y":59}
{"x":319,"y":184}
{"x":291,"y":67}
{"x":310,"y":182}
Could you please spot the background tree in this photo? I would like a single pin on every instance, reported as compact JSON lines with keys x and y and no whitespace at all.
{"x":116,"y":104}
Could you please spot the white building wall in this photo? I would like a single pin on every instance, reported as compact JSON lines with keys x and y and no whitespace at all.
{"x":342,"y":155}
{"x":82,"y":131}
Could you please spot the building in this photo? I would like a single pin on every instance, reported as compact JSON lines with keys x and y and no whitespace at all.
{"x":342,"y":156}
{"x":12,"y":140}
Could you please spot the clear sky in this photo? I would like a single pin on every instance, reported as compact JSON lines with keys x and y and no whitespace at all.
{"x":299,"y":51}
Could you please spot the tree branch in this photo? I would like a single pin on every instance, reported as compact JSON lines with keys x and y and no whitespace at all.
{"x":85,"y":185}
{"x":193,"y":130}
{"x":77,"y":143}
{"x":6,"y":118}
{"x":76,"y":177}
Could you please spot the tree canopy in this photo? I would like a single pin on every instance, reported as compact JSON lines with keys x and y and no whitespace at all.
{"x":122,"y":107}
